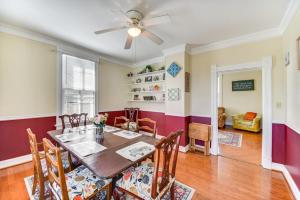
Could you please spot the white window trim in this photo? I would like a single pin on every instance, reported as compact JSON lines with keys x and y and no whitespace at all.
{"x":60,"y":52}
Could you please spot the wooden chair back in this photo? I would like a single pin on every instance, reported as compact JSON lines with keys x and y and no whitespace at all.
{"x":132,"y":114}
{"x":74,"y":119}
{"x":55,"y":167}
{"x":148,"y":125}
{"x":36,"y":160}
{"x":167,"y":152}
{"x":120,"y":121}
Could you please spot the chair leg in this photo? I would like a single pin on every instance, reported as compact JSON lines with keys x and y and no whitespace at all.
{"x":34,"y":181}
{"x":109,"y":191}
{"x":172,"y":192}
{"x":42,"y":190}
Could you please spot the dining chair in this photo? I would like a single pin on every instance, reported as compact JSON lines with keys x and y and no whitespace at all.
{"x":148,"y":181}
{"x":80,"y":183}
{"x":121,"y":122}
{"x":74,"y":119}
{"x":40,"y":174}
{"x":147,"y":126}
{"x":132,"y":114}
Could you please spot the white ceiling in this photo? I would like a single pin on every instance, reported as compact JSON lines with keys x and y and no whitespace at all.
{"x":196,"y":22}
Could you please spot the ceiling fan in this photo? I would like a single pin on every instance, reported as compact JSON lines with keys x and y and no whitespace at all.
{"x":136,"y":25}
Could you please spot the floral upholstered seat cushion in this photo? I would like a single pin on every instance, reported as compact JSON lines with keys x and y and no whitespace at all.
{"x":65,"y":161}
{"x":81,"y":184}
{"x":138,"y":180}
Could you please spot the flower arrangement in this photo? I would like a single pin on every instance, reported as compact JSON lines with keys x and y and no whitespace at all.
{"x":100,"y":120}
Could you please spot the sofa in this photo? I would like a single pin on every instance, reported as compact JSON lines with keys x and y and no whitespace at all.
{"x":239,"y":122}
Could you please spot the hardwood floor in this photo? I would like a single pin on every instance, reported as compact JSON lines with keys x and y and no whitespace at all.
{"x":250,"y":150}
{"x":213,"y":177}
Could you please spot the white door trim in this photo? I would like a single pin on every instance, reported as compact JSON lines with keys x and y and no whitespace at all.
{"x":266,"y":66}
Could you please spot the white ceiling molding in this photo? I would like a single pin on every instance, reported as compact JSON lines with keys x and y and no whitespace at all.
{"x":275,"y":32}
{"x":149,"y":62}
{"x":237,"y":41}
{"x":174,"y":50}
{"x":289,"y":14}
{"x":61,"y":45}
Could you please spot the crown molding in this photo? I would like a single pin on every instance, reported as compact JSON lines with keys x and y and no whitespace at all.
{"x":174,"y":50}
{"x":61,"y":45}
{"x":271,"y":33}
{"x":289,"y":14}
{"x":258,"y":36}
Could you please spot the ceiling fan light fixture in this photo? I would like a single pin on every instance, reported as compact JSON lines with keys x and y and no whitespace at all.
{"x":134,"y":31}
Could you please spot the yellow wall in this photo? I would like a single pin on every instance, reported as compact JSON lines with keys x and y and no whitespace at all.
{"x":28,"y":77}
{"x":113,"y":86}
{"x":239,"y":102}
{"x":293,"y":74}
{"x":201,"y":65}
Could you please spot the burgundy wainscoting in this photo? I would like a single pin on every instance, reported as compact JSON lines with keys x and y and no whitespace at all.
{"x":278,"y":143}
{"x":112,"y":115}
{"x":159,"y":117}
{"x":292,"y":154}
{"x":200,"y":119}
{"x":13,"y":135}
{"x":174,"y":123}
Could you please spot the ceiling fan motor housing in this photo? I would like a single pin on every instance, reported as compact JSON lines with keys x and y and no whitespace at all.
{"x":135,"y":15}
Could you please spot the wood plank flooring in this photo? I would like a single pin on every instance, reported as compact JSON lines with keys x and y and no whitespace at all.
{"x":250,"y":150}
{"x":213,"y":177}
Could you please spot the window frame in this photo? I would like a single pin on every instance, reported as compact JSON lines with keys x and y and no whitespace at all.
{"x":60,"y":83}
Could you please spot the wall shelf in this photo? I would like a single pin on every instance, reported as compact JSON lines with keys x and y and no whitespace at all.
{"x":148,"y":74}
{"x":144,"y":101}
{"x":153,"y":82}
{"x":145,"y":92}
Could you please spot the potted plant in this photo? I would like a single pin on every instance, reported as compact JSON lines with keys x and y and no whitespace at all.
{"x":100,"y":121}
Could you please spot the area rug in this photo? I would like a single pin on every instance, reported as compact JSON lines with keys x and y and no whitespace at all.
{"x":182,"y":191}
{"x":229,"y":138}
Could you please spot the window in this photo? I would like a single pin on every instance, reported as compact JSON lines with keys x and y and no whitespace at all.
{"x":78,"y":85}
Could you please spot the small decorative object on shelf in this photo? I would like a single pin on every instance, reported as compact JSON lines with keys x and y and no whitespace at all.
{"x":156,"y":87}
{"x":149,"y":69}
{"x":156,"y":78}
{"x":138,"y":80}
{"x":100,"y":121}
{"x":162,"y":68}
{"x":148,"y":79}
{"x":149,"y":98}
{"x":174,"y":69}
{"x":130,"y":74}
{"x":136,"y":97}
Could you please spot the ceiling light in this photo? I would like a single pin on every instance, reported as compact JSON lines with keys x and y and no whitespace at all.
{"x":134,"y":31}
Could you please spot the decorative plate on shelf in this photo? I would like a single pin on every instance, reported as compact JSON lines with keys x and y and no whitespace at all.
{"x":174,"y":69}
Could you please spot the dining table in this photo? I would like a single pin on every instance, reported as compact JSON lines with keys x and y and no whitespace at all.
{"x":106,"y":163}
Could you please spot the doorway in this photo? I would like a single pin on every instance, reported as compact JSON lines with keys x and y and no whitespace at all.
{"x":265,"y":65}
{"x":239,"y":115}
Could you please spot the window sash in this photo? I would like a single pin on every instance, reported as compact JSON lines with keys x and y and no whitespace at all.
{"x":82,"y":93}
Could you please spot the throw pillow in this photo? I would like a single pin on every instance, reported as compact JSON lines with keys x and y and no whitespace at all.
{"x":250,"y":116}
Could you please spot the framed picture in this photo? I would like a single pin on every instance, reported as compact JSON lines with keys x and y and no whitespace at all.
{"x":187,"y":82}
{"x":243,"y":85}
{"x":148,"y":79}
{"x":298,"y":53}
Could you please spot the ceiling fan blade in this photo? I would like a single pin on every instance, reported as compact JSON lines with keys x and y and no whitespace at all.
{"x":128,"y":42}
{"x":123,"y":14}
{"x":110,"y":30}
{"x":156,"y":20}
{"x":152,"y":37}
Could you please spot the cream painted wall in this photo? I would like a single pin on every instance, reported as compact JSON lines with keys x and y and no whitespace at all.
{"x":176,"y":108}
{"x":113,"y":86}
{"x":200,"y":73}
{"x":239,"y":102}
{"x":293,"y":74}
{"x":28,"y":77}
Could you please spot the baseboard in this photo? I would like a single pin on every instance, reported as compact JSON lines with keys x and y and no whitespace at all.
{"x":289,"y":179}
{"x":15,"y":161}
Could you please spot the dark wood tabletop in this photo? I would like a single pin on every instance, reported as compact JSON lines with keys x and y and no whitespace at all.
{"x":107,"y":163}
